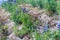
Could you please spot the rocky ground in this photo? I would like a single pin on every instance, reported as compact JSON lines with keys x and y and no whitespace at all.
{"x":35,"y":12}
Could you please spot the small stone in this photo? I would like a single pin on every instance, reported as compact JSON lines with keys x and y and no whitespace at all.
{"x":40,"y":29}
{"x":26,"y":37}
{"x":12,"y":36}
{"x":53,"y":23}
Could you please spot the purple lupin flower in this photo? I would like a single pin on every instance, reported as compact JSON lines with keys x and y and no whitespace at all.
{"x":46,"y":27}
{"x":58,"y":24}
{"x":14,"y":0}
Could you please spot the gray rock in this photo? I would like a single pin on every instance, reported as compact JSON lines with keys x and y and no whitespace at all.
{"x":12,"y":36}
{"x":40,"y":29}
{"x":10,"y":25}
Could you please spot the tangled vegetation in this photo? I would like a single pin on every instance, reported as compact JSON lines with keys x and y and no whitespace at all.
{"x":29,"y":26}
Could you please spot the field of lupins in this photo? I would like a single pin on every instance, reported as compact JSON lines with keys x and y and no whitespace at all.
{"x":29,"y":19}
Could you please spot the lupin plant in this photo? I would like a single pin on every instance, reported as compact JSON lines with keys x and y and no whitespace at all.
{"x":52,"y":5}
{"x":58,"y":7}
{"x":40,"y":3}
{"x":14,"y":0}
{"x":33,"y":3}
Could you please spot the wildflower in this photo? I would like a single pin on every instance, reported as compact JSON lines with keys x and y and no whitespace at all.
{"x":14,"y":0}
{"x":58,"y":24}
{"x":46,"y":27}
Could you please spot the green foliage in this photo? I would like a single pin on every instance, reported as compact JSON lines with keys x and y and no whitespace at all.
{"x":33,"y":2}
{"x":40,"y":3}
{"x":23,"y":31}
{"x":11,"y":7}
{"x":46,"y":35}
{"x":20,"y":18}
{"x":25,"y":19}
{"x":0,"y":25}
{"x":52,"y":5}
{"x":37,"y":36}
{"x":17,"y":16}
{"x":1,"y":32}
{"x":57,"y":36}
{"x":20,"y":32}
{"x":58,"y":6}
